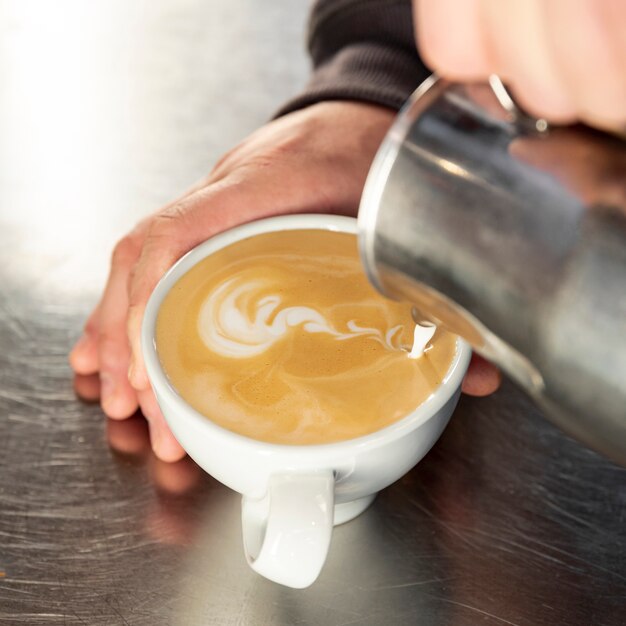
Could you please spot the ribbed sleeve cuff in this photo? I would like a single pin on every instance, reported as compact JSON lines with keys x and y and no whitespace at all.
{"x":361,"y":50}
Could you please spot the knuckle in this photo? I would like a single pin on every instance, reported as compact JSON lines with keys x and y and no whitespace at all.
{"x":125,"y":252}
{"x":91,"y":326}
{"x":106,"y":341}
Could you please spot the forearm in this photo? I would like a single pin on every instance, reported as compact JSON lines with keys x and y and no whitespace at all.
{"x":361,"y":50}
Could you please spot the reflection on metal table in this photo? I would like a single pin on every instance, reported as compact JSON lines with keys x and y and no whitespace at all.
{"x":108,"y":110}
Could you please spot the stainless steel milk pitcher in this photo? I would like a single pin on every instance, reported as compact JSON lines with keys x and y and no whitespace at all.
{"x":513,"y":235}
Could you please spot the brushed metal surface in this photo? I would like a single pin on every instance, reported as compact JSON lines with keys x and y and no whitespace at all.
{"x":107,"y":110}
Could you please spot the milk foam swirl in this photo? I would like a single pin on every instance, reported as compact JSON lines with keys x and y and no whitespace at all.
{"x":227,"y":329}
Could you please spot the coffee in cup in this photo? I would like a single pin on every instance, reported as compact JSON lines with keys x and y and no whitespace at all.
{"x":279,"y":337}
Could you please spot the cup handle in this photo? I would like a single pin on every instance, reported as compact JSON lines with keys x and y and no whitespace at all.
{"x":286,"y":533}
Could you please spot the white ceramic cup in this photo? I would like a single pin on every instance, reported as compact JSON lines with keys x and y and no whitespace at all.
{"x":293,"y":495}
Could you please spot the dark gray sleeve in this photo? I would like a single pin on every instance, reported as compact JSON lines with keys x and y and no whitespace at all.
{"x":361,"y":50}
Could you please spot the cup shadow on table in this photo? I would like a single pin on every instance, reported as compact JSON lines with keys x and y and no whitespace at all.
{"x":193,"y":511}
{"x":430,"y":544}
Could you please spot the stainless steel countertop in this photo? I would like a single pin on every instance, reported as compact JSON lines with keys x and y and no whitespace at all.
{"x":107,"y":110}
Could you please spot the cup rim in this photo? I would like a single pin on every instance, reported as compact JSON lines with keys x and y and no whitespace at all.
{"x":159,"y":381}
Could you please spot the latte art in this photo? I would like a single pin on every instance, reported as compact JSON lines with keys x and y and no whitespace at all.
{"x":281,"y":338}
{"x":235,"y":322}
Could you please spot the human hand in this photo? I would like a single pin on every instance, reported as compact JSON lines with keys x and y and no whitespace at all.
{"x":565,"y":60}
{"x":315,"y":160}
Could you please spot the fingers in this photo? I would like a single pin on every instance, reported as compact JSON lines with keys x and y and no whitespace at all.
{"x":591,"y":57}
{"x":132,"y":437}
{"x":565,"y":59}
{"x":84,"y":355}
{"x":87,"y":387}
{"x":117,"y":397}
{"x":163,"y":441}
{"x":520,"y":53}
{"x":169,"y":237}
{"x":136,"y":435}
{"x":451,"y":38}
{"x":173,"y":232}
{"x":482,"y":378}
{"x":103,"y":348}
